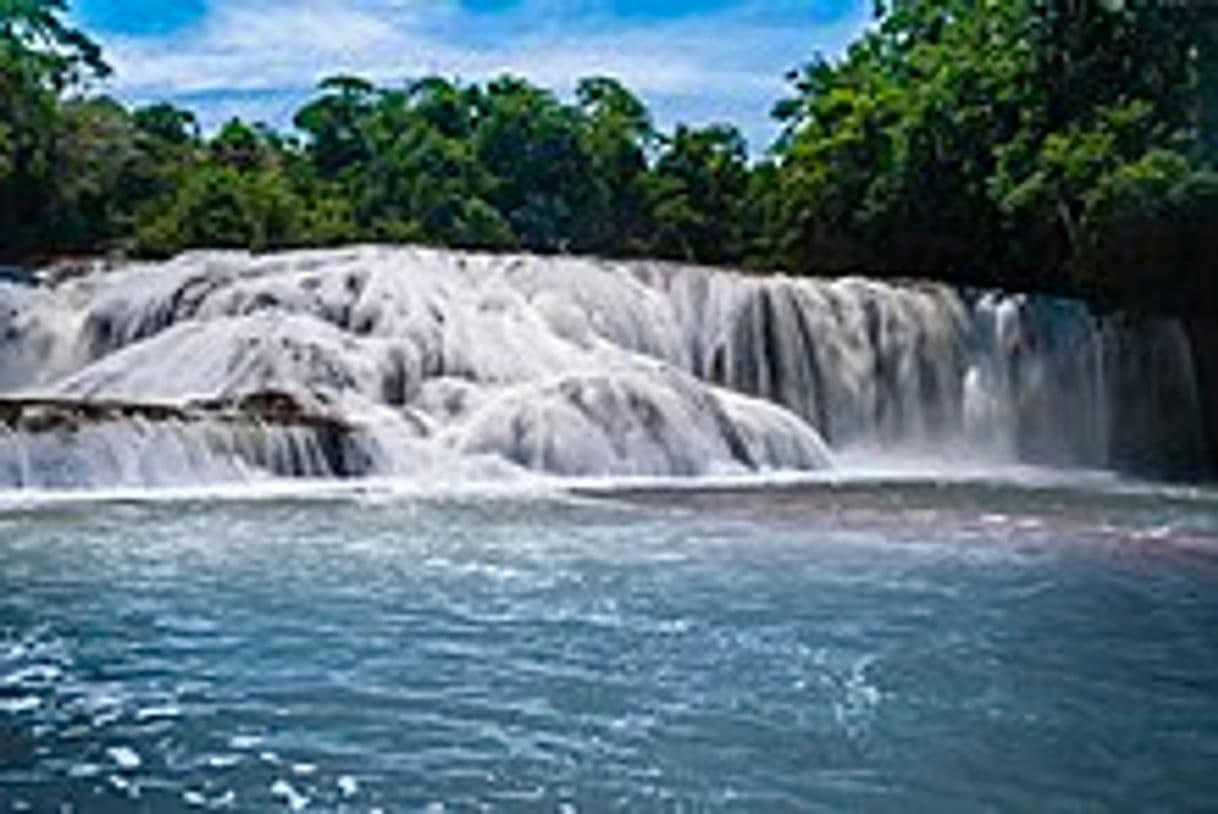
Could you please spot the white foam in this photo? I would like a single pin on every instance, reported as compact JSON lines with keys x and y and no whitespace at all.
{"x":455,"y":367}
{"x":125,"y":758}
{"x":293,"y":799}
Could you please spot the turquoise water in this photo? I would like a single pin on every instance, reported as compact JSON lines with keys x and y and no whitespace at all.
{"x":867,"y":646}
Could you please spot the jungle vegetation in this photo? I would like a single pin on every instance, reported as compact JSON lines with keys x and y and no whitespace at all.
{"x":1062,"y":145}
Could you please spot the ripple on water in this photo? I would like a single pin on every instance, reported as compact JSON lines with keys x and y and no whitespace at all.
{"x":469,"y":659}
{"x":288,"y":794}
{"x":125,"y":758}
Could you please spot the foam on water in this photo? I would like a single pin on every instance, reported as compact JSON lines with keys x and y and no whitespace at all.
{"x":447,"y":366}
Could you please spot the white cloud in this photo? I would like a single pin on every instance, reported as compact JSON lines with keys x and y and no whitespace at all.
{"x":244,"y":46}
{"x":248,"y":48}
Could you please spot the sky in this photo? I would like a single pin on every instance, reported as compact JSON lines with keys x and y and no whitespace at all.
{"x":697,"y":61}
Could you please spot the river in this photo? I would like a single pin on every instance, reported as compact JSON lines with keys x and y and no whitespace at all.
{"x":1023,"y":643}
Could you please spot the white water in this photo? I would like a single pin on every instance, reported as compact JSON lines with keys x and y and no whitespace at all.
{"x":453,"y":366}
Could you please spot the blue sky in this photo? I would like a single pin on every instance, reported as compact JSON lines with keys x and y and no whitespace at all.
{"x":692,"y":60}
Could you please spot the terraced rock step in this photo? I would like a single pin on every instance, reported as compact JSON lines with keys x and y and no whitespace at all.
{"x":268,"y":431}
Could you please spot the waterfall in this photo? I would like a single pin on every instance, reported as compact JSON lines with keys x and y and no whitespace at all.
{"x":65,"y":444}
{"x":425,"y":360}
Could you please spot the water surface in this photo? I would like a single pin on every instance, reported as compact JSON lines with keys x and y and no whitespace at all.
{"x":875,"y":645}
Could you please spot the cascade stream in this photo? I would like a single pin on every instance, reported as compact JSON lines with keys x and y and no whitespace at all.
{"x":218,"y":366}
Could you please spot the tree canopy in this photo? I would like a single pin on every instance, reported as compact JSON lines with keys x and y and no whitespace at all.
{"x":1063,"y":144}
{"x":1017,"y":141}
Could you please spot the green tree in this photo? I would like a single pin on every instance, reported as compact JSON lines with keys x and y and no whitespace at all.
{"x":617,"y":135}
{"x":530,"y":143}
{"x":95,"y":177}
{"x":40,"y":58}
{"x":697,"y":192}
{"x":976,"y":140}
{"x":167,"y":124}
{"x":220,"y":206}
{"x":37,"y":44}
{"x":333,"y":123}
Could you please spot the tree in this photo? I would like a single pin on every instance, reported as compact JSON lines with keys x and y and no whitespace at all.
{"x":242,"y":146}
{"x":974,"y":140}
{"x":697,"y":191}
{"x":167,"y":124}
{"x":96,"y":174}
{"x":36,"y":43}
{"x":530,"y":143}
{"x":617,"y":135}
{"x":220,"y":206}
{"x":40,"y":57}
{"x":333,"y":123}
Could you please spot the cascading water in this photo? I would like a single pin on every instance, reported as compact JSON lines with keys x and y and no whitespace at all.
{"x":420,"y":361}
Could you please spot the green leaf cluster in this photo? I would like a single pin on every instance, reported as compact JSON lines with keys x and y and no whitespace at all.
{"x":1026,"y":143}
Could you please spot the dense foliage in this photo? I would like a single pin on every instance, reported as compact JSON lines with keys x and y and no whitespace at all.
{"x":1035,"y":143}
{"x":1043,"y":143}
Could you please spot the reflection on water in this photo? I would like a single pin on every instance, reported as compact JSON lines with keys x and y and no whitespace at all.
{"x":835,"y":646}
